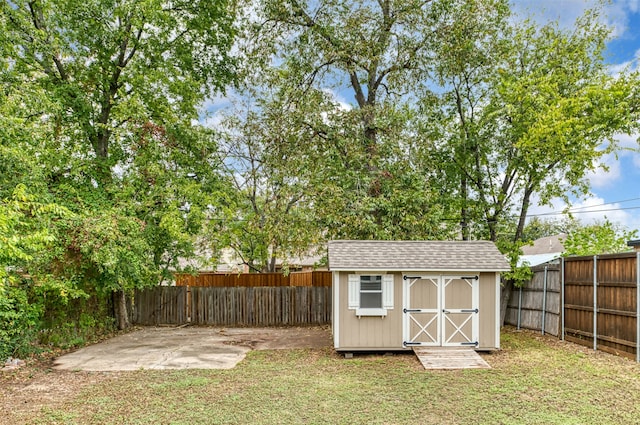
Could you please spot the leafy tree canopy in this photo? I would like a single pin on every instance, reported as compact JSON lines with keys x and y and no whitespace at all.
{"x":104,"y":96}
{"x":602,"y":237}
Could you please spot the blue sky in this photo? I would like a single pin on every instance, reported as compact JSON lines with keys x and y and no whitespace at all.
{"x":616,"y":193}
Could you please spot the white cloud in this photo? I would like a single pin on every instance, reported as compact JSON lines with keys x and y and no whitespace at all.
{"x":616,"y":14}
{"x":213,"y":120}
{"x":594,"y":209}
{"x":630,"y":147}
{"x":212,"y":104}
{"x":628,"y":141}
{"x":603,"y":177}
{"x":543,"y":11}
{"x":339,"y":99}
{"x":588,"y":211}
{"x":630,"y":65}
{"x":610,"y":171}
{"x":633,"y":5}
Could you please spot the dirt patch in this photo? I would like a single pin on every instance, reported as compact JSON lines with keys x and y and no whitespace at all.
{"x":279,"y":338}
{"x":29,"y":389}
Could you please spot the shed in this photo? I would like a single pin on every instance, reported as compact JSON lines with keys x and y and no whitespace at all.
{"x":396,"y":295}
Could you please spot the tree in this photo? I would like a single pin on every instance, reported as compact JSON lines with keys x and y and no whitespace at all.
{"x":24,"y":235}
{"x":270,"y":159}
{"x":378,"y":51}
{"x":456,"y":133}
{"x":537,"y":228}
{"x":527,"y":110}
{"x":601,"y":237}
{"x":121,"y":83}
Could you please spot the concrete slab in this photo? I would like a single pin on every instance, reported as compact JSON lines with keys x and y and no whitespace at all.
{"x":187,"y":348}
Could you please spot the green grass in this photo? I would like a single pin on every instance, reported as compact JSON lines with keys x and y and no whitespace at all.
{"x":534,"y":380}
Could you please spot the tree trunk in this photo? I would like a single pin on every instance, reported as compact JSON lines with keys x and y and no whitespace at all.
{"x":505,"y":294}
{"x":526,"y":200}
{"x":120,"y":309}
{"x":464,"y":222}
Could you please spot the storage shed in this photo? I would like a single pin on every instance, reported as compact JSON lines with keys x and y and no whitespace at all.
{"x":395,"y":295}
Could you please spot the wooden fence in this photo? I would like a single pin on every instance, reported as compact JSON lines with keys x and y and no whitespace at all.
{"x":592,"y":301}
{"x":264,"y":306}
{"x":314,"y":278}
{"x":601,"y":303}
{"x":537,"y":305}
{"x":162,"y":305}
{"x":245,"y":300}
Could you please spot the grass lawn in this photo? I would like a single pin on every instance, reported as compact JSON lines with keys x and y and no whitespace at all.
{"x":534,"y":380}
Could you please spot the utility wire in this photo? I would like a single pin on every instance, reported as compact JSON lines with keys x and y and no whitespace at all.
{"x":603,"y":204}
{"x":582,"y":212}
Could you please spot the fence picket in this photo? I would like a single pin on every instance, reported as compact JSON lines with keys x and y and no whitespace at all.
{"x":313,"y":278}
{"x":234,"y":306}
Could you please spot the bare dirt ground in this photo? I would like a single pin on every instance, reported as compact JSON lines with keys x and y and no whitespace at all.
{"x":40,"y":384}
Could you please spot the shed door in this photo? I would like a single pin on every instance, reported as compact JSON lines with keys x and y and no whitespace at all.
{"x":422,"y":311}
{"x":440,"y":310}
{"x":459,"y":310}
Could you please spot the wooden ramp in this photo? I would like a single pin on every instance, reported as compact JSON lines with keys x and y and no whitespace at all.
{"x":450,"y":358}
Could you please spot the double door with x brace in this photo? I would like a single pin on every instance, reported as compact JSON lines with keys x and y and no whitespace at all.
{"x":440,"y":310}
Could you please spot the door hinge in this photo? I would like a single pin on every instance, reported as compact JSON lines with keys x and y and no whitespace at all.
{"x":411,"y":310}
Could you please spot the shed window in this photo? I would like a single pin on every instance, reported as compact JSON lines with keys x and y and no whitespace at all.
{"x":371,"y":291}
{"x":371,"y":295}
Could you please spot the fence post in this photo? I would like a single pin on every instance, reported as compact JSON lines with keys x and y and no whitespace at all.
{"x":544,"y":298}
{"x":595,"y":302}
{"x":562,"y":295}
{"x":519,"y":307}
{"x":638,"y":307}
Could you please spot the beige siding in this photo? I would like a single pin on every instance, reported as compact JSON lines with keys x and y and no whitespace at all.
{"x":385,"y":333}
{"x":370,"y":333}
{"x":487,"y":311}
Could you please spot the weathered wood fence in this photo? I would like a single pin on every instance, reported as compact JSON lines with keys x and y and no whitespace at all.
{"x":247,"y":303}
{"x":162,"y":305}
{"x":264,"y":306}
{"x":537,"y":304}
{"x":593,"y":301}
{"x":314,"y":278}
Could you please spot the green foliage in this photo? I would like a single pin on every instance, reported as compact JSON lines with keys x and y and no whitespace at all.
{"x":602,"y":237}
{"x":268,"y":157}
{"x":114,"y":248}
{"x":19,"y":322}
{"x":518,"y":275}
{"x":97,"y":112}
{"x":20,"y":237}
{"x":68,"y":323}
{"x":25,"y":238}
{"x":365,"y":182}
{"x":537,"y":228}
{"x":525,"y":112}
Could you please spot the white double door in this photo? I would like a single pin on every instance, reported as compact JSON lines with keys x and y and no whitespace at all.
{"x":440,"y":310}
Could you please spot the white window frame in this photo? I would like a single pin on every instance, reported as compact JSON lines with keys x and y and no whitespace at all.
{"x":387,"y":289}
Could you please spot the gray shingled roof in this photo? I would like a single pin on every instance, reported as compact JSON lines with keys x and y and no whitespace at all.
{"x":416,"y":256}
{"x":546,"y":245}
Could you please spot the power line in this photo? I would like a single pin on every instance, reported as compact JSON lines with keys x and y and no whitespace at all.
{"x":604,"y":203}
{"x":583,"y":212}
